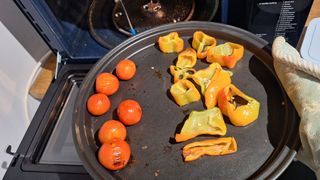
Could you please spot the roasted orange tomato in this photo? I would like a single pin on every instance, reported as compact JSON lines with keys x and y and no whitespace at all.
{"x":126,"y":69}
{"x":129,"y":112}
{"x":114,"y":155}
{"x":112,"y":130}
{"x":98,"y":104}
{"x":107,"y":83}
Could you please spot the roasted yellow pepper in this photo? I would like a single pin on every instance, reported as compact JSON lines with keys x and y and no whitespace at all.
{"x":227,"y":54}
{"x":181,"y":73}
{"x":171,"y":43}
{"x":184,"y":92}
{"x":187,"y":58}
{"x":201,"y":42}
{"x":212,"y":147}
{"x":219,"y":80}
{"x":203,"y":76}
{"x":209,"y":121}
{"x":240,"y":108}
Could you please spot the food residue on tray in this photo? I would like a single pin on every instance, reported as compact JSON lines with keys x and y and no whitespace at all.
{"x":157,"y":173}
{"x":144,"y":147}
{"x":158,"y":74}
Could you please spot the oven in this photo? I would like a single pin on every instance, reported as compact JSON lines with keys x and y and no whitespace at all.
{"x":81,"y":32}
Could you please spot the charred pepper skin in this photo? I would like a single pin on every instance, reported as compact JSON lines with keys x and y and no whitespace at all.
{"x":239,"y":115}
{"x":171,"y":43}
{"x":202,"y":42}
{"x":184,"y":92}
{"x":230,"y":59}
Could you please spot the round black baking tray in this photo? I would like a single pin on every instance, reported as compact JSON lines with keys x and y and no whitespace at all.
{"x":265,"y":147}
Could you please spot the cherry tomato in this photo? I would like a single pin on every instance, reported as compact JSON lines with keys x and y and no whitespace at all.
{"x":129,"y":112}
{"x":126,"y":69}
{"x":112,"y":130}
{"x":98,"y":104}
{"x":114,"y":155}
{"x":107,"y":83}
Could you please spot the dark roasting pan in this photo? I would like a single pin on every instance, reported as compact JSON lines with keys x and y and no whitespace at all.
{"x":265,"y":148}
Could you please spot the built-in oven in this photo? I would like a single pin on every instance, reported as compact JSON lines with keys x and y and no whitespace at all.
{"x":81,"y":32}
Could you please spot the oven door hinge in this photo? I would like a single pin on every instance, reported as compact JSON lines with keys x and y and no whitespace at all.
{"x":14,"y":154}
{"x":61,"y":60}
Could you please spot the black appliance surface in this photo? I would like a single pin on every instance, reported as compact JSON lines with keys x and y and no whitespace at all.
{"x":60,"y":147}
{"x":43,"y":151}
{"x":63,"y":24}
{"x":77,"y":30}
{"x":269,"y":19}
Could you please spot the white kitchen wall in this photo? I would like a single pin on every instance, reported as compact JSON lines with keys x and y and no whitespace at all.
{"x":21,"y":28}
{"x":17,"y":69}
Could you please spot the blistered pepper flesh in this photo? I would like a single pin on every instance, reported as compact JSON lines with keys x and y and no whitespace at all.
{"x":239,"y":107}
{"x":181,"y":73}
{"x":184,"y":92}
{"x":227,"y":54}
{"x":212,"y":147}
{"x":209,"y":121}
{"x":201,"y":42}
{"x":171,"y":43}
{"x":187,"y":58}
{"x":219,"y":80}
{"x":203,"y":76}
